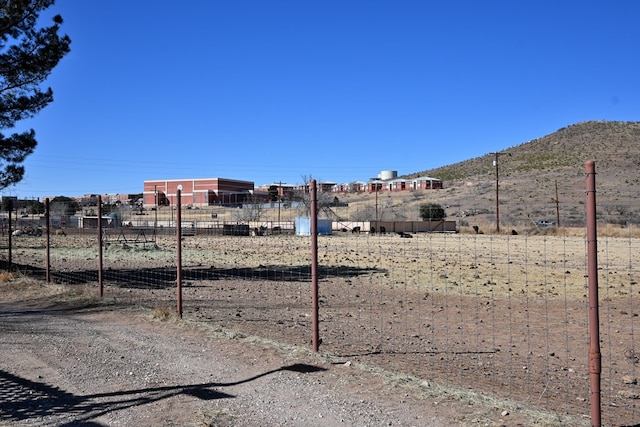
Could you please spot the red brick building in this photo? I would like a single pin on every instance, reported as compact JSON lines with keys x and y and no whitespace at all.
{"x":197,"y":192}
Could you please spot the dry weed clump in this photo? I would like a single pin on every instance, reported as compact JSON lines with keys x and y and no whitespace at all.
{"x":17,"y":287}
{"x":6,"y":276}
{"x":14,"y":286}
{"x":163,"y":313}
{"x":624,"y":231}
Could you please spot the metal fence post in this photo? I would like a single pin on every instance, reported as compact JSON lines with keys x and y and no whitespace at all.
{"x":179,"y":251}
{"x":47,"y":217}
{"x":595,"y":361}
{"x":10,"y":231}
{"x":100,"y":246}
{"x":315,"y":337}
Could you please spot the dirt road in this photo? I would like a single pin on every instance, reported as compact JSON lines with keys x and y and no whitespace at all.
{"x":114,"y":367}
{"x":77,"y":361}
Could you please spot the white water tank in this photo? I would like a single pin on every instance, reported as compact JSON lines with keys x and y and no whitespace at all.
{"x":387,"y":175}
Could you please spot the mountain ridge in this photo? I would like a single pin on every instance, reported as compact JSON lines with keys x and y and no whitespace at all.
{"x":569,"y":146}
{"x":541,"y":176}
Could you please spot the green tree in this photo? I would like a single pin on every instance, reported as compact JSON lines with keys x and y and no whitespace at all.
{"x":35,"y":207}
{"x":28,"y":54}
{"x":7,"y":204}
{"x":63,"y":206}
{"x":91,"y":200}
{"x":432,"y":211}
{"x":274,"y":194}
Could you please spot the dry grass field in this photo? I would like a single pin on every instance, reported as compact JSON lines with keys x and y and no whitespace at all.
{"x":500,"y":314}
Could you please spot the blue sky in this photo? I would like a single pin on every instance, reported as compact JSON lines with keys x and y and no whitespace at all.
{"x":339,"y":90}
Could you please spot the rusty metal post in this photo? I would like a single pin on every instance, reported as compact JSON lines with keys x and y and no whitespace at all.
{"x":100,"y":246}
{"x":497,"y":198}
{"x":315,"y":337}
{"x":179,"y":251}
{"x":595,"y":360}
{"x":47,"y":217}
{"x":9,"y":229}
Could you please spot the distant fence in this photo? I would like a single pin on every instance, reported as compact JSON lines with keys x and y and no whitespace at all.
{"x":397,"y":226}
{"x":505,"y":314}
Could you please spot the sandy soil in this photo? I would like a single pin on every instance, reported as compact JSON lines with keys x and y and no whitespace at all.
{"x":432,"y":330}
{"x":71,"y":360}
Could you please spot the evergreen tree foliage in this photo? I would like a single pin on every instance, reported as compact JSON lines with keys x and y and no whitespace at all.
{"x":274,"y":194}
{"x":28,"y":54}
{"x":62,"y":205}
{"x":432,"y":211}
{"x":35,"y":207}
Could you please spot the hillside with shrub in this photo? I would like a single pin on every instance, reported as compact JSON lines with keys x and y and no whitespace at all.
{"x":542,"y":179}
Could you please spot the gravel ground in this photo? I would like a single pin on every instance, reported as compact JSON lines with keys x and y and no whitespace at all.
{"x":81,"y":362}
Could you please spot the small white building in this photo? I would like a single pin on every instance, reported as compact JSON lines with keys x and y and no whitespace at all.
{"x":303,"y":226}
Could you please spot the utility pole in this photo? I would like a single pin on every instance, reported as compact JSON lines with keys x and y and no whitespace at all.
{"x":557,"y":206}
{"x":495,"y":163}
{"x":155,"y":223}
{"x":279,"y":200}
{"x":376,"y":203}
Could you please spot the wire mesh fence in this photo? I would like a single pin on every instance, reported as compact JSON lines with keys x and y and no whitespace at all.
{"x":501,"y":314}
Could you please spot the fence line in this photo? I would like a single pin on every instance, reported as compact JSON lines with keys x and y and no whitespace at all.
{"x":507,"y":315}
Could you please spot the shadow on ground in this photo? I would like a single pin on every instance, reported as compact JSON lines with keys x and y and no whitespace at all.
{"x":25,"y":400}
{"x":165,"y":277}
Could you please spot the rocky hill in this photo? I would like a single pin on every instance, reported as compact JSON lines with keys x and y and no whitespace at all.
{"x":612,"y":145}
{"x":530,"y":173}
{"x":542,"y":179}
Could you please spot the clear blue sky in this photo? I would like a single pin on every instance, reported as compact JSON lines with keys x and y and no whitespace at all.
{"x":339,"y":90}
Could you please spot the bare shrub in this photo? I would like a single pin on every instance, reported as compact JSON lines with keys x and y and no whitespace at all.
{"x":6,"y":276}
{"x":163,"y":313}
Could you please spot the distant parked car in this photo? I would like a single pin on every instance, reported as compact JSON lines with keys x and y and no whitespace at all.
{"x":543,"y":223}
